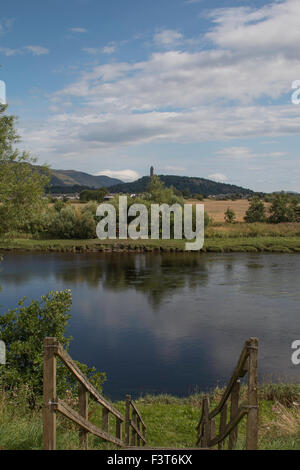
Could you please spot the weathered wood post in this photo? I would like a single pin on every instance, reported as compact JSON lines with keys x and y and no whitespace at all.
{"x":144,"y":434}
{"x":118,"y":428}
{"x":235,"y":396}
{"x":49,"y":394}
{"x":127,"y":419}
{"x":223,"y":422}
{"x":206,"y":424}
{"x":252,"y":418}
{"x":83,"y":408}
{"x":105,"y":419}
{"x":133,"y":433}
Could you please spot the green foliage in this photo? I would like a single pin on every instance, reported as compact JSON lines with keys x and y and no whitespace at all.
{"x":59,"y":205}
{"x":21,"y":185}
{"x":158,"y":193}
{"x":23,"y":330}
{"x":283,"y":209}
{"x":229,"y":216}
{"x":70,"y":223}
{"x":256,"y":211}
{"x":93,"y":195}
{"x":199,"y":197}
{"x":194,"y":184}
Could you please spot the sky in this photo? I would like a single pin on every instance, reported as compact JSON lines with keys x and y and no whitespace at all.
{"x":192,"y":87}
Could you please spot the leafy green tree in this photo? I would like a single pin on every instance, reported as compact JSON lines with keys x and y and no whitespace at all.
{"x":159,"y":193}
{"x":229,"y":216}
{"x":21,"y":184}
{"x":93,"y":195}
{"x":283,"y":209}
{"x":256,"y":211}
{"x":23,"y":330}
{"x":200,"y":197}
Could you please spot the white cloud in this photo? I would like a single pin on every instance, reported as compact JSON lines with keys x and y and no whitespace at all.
{"x":78,"y":30}
{"x":244,"y":153}
{"x":37,"y":50}
{"x":34,"y":50}
{"x":219,"y":177}
{"x":125,"y":175}
{"x":212,"y":94}
{"x":9,"y":52}
{"x":110,"y":48}
{"x":168,"y":37}
{"x":258,"y":30}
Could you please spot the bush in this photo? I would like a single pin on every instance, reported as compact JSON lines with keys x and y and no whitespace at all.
{"x":283,"y":209}
{"x":71,"y":224}
{"x":23,"y":330}
{"x":256,"y":211}
{"x":229,"y":216}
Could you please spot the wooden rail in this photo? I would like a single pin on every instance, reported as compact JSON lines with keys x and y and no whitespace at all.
{"x":206,"y":428}
{"x":52,"y":404}
{"x":135,"y":424}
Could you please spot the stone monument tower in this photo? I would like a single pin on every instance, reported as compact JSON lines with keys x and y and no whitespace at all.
{"x":151,"y":171}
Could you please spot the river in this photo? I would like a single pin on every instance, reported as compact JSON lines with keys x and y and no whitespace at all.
{"x":168,"y":323}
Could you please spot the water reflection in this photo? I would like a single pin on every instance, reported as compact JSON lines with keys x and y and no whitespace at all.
{"x":168,"y":322}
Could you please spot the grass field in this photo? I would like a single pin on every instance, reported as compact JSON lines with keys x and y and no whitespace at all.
{"x":170,"y":421}
{"x":228,"y":240}
{"x":217,"y":209}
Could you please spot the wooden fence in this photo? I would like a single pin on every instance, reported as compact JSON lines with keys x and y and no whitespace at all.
{"x":135,"y":423}
{"x":206,"y":429}
{"x":52,"y":404}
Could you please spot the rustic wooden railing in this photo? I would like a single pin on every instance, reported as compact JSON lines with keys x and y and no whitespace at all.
{"x":206,"y":428}
{"x":52,"y":404}
{"x":134,"y":423}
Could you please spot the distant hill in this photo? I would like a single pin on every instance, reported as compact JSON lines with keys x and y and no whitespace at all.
{"x":63,"y":178}
{"x":193,"y":184}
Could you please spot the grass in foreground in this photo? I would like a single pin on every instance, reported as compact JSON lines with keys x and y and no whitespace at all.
{"x":214,"y":242}
{"x":170,"y":421}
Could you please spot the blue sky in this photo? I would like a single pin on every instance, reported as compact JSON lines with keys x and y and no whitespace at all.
{"x":197,"y":88}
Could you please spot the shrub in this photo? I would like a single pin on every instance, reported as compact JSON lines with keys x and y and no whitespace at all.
{"x":23,"y":330}
{"x":229,"y":216}
{"x":72,"y":224}
{"x":283,"y":209}
{"x":256,"y":211}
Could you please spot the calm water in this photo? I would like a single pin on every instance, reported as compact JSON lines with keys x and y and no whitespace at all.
{"x":172,"y":323}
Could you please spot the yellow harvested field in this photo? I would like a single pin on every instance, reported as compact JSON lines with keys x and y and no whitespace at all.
{"x":217,"y":209}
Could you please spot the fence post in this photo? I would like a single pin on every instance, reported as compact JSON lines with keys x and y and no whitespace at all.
{"x":144,"y":434}
{"x":133,"y":433}
{"x":49,"y":395}
{"x":206,"y":424}
{"x":105,"y":419}
{"x":252,"y":418}
{"x":83,"y":407}
{"x":223,"y":421}
{"x":127,"y":419}
{"x":118,"y":428}
{"x":235,"y":396}
{"x":137,"y":422}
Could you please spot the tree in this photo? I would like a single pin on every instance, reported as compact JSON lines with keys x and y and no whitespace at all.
{"x":283,"y":209}
{"x":23,"y":330}
{"x":159,"y":193}
{"x":229,"y":216}
{"x":93,"y":195}
{"x":21,"y":184}
{"x":256,"y":211}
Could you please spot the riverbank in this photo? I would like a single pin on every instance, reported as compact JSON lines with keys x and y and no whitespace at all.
{"x":170,"y":421}
{"x":217,"y":244}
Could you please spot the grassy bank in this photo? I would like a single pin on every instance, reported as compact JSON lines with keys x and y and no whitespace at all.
{"x":226,"y":243}
{"x":170,"y":421}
